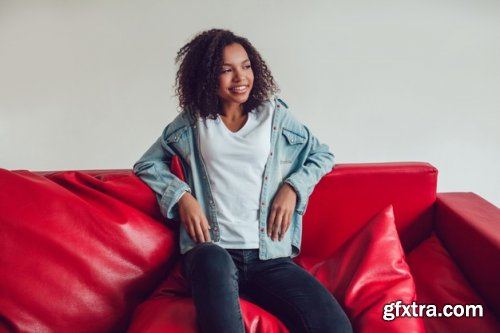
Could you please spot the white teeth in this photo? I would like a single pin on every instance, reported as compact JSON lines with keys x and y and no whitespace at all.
{"x":239,"y":88}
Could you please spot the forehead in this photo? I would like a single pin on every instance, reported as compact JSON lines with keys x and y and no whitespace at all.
{"x":234,"y":54}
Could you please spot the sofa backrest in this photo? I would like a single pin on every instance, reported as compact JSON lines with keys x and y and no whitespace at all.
{"x":82,"y":249}
{"x":346,"y":198}
{"x":78,"y":250}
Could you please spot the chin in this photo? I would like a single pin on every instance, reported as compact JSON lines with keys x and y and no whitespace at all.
{"x":240,"y":99}
{"x":244,"y":99}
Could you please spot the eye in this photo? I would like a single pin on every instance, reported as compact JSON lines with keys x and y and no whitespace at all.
{"x":247,"y":66}
{"x":225,"y":70}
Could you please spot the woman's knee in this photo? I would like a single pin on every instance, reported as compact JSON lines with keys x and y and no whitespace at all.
{"x":208,"y":260}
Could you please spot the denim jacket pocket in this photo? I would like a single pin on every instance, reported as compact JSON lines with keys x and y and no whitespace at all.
{"x":178,"y":141}
{"x":293,"y":138}
{"x":176,"y":135}
{"x":292,"y":145}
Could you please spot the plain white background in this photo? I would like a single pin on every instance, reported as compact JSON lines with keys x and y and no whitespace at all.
{"x":89,"y":84}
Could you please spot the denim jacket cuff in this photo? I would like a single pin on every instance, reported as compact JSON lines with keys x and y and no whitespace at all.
{"x":174,"y":191}
{"x":301,"y":198}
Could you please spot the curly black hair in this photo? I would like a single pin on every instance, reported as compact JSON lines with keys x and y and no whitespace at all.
{"x":197,"y":79}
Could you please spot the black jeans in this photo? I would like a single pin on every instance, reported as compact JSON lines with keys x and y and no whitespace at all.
{"x":218,"y":276}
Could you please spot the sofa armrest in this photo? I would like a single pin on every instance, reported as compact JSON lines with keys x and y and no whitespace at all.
{"x":469,"y":228}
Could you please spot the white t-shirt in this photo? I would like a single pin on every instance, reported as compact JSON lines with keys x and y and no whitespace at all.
{"x":235,"y":164}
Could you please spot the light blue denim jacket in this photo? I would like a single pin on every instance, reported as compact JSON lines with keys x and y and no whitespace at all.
{"x":296,"y":157}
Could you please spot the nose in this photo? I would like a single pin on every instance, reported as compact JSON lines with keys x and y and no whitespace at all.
{"x":238,"y":75}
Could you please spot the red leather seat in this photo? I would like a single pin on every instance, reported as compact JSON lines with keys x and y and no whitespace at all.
{"x":89,"y":251}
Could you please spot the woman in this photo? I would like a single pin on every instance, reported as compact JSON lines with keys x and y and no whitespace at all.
{"x":250,"y":168}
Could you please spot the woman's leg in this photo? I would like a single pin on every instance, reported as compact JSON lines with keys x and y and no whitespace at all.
{"x":296,"y":297}
{"x":213,"y":278}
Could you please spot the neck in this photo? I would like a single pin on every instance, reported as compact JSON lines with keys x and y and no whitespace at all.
{"x":233,"y":110}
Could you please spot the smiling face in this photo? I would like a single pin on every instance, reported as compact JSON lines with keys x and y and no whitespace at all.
{"x":236,"y":77}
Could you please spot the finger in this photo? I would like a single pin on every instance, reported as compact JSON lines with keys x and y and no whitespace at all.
{"x":192,"y":234}
{"x":199,"y":233}
{"x":205,"y":228}
{"x":270,"y":222}
{"x":285,"y":225}
{"x":277,"y":226}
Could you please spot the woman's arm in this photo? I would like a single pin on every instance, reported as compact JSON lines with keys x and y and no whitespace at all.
{"x":319,"y":162}
{"x":175,"y":203}
{"x":153,"y":169}
{"x":313,"y":162}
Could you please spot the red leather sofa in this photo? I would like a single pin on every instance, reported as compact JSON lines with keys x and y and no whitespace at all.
{"x":88,"y":251}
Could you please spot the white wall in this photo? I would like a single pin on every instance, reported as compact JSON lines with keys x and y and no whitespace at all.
{"x":88,"y":84}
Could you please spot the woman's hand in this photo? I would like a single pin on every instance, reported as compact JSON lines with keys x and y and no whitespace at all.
{"x":193,"y":218}
{"x":281,"y":213}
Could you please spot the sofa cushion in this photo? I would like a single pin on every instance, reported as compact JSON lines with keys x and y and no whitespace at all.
{"x":368,"y":272}
{"x":171,"y":309}
{"x":439,"y":281}
{"x":77,"y":252}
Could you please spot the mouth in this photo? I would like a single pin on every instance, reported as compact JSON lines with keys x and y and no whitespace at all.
{"x":239,"y":89}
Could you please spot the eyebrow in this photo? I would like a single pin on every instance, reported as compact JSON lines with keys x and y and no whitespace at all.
{"x":225,"y":64}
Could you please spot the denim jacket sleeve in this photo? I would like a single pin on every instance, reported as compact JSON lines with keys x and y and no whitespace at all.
{"x":153,"y":169}
{"x":318,"y":160}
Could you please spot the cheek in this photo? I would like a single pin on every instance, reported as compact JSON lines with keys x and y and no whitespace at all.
{"x":222,"y":84}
